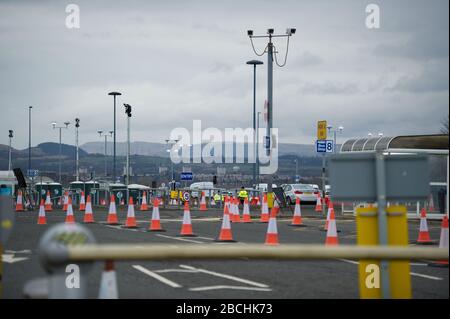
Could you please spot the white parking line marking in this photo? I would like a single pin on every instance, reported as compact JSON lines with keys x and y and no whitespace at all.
{"x":426,"y":276}
{"x":181,"y":239}
{"x":10,"y":259}
{"x":229,"y":287}
{"x":411,"y":273}
{"x":157,"y":277}
{"x":245,"y":281}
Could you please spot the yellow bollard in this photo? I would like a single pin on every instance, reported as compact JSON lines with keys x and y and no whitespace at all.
{"x":369,"y":270}
{"x":399,"y":271}
{"x":270,"y":198}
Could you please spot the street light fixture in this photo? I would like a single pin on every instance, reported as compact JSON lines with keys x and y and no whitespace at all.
{"x":254,"y":63}
{"x":77,"y":168}
{"x":128,"y":113}
{"x":168,"y":141}
{"x":339,"y":129}
{"x":66,"y":125}
{"x":114,"y":94}
{"x":271,"y":54}
{"x":11,"y":135}
{"x":110,"y":134}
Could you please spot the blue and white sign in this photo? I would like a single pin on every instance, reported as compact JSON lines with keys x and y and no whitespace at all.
{"x":186,"y":196}
{"x":187,"y":176}
{"x":32,"y":172}
{"x":324,"y":146}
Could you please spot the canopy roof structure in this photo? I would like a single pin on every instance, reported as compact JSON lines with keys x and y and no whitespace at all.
{"x":386,"y":143}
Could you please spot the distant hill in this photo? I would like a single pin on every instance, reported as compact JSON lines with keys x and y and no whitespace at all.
{"x":160,"y":149}
{"x":51,"y":149}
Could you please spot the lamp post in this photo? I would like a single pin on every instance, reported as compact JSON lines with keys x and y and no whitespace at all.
{"x":110,"y":133}
{"x":77,"y":167}
{"x":168,"y":141}
{"x":11,"y":134}
{"x":29,"y":139}
{"x":339,"y":129}
{"x":66,"y":126}
{"x":128,"y":113}
{"x":271,"y":54}
{"x":114,"y":94}
{"x":254,"y":63}
{"x":257,"y":146}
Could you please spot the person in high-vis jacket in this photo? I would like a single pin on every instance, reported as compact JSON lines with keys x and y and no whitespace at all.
{"x":243,"y":194}
{"x":217,"y":197}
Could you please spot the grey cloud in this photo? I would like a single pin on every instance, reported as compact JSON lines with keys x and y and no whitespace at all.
{"x":328,"y":88}
{"x":307,"y":59}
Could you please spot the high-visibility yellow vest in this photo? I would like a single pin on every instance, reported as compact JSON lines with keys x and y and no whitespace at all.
{"x":243,"y":194}
{"x":217,"y":197}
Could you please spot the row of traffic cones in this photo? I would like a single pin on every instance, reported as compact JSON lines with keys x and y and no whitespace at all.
{"x":88,"y":215}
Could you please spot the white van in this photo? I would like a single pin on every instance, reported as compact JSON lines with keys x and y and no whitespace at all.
{"x":198,"y":187}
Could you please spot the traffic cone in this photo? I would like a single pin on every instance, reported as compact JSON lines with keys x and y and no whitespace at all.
{"x":318,"y":204}
{"x":69,"y":216}
{"x":122,"y":202}
{"x":144,"y":205}
{"x":332,"y":238}
{"x":443,"y":243}
{"x":246,"y":212}
{"x":431,"y":204}
{"x":424,"y":234}
{"x":19,"y":203}
{"x":82,"y":202}
{"x":88,"y":214}
{"x":330,"y":209}
{"x":131,"y":219}
{"x":203,"y":203}
{"x":226,"y":203}
{"x":112,"y":213}
{"x":264,"y":210}
{"x":108,"y":283}
{"x":236,"y":214}
{"x":297,"y":218}
{"x":186,"y":228}
{"x":42,"y":220}
{"x":103,"y":202}
{"x":225,"y":231}
{"x":48,"y":203}
{"x":66,"y":201}
{"x":155,"y":223}
{"x":272,"y":232}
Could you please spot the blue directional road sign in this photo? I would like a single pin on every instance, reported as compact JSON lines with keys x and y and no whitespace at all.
{"x":32,"y":172}
{"x":187,"y":176}
{"x":324,"y":146}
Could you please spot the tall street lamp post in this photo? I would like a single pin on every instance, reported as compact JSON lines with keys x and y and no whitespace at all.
{"x":66,"y":126}
{"x":114,"y":94}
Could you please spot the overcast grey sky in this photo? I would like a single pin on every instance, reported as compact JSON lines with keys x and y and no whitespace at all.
{"x":176,"y":61}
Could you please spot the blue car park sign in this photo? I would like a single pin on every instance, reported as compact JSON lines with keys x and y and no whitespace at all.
{"x":324,"y":146}
{"x":187,"y":176}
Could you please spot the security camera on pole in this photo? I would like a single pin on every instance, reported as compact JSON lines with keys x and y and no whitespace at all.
{"x":77,"y":173}
{"x":271,"y":53}
{"x":128,"y":112}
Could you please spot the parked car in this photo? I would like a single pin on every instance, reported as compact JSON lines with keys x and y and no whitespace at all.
{"x":306,"y":193}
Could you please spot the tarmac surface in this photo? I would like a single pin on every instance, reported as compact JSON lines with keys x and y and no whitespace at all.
{"x":240,"y":278}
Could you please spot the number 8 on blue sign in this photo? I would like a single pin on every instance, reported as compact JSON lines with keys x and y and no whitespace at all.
{"x":329,"y":146}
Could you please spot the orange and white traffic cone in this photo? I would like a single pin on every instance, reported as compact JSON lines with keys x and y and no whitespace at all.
{"x":264,"y":210}
{"x":88,"y":214}
{"x":186,"y":228}
{"x":246,"y":212}
{"x":103,"y":202}
{"x":226,"y":203}
{"x":297,"y":218}
{"x":155,"y":223}
{"x":69,"y":213}
{"x":225,"y":231}
{"x":272,"y":232}
{"x":424,"y":234}
{"x":236,"y":214}
{"x":144,"y":205}
{"x":131,"y":219}
{"x":65,"y":201}
{"x":203,"y":203}
{"x":332,"y":238}
{"x":42,"y":220}
{"x":443,"y":243}
{"x":82,"y":202}
{"x":330,"y":209}
{"x":48,"y":203}
{"x":19,"y":203}
{"x":112,"y":213}
{"x":108,"y":282}
{"x":318,"y":203}
{"x":431,"y":204}
{"x":122,"y":202}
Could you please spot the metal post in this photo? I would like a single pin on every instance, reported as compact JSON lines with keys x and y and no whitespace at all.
{"x":128,"y":157}
{"x":29,"y":138}
{"x":77,"y":174}
{"x":334,"y":146}
{"x":324,"y":213}
{"x":114,"y":147}
{"x":106,"y":159}
{"x":269,"y":106}
{"x":9,"y":157}
{"x":254,"y":121}
{"x":382,"y":221}
{"x":60,"y":152}
{"x":257,"y":147}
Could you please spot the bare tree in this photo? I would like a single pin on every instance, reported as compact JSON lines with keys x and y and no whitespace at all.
{"x":444,"y":128}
